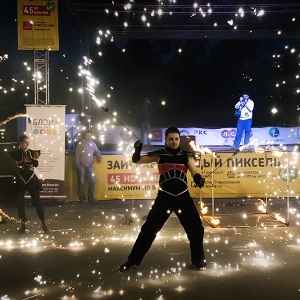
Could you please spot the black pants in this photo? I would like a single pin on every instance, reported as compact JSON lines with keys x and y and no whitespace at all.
{"x":35,"y":197}
{"x":187,"y":213}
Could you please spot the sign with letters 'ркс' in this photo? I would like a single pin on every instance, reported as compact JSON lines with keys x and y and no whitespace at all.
{"x":38,"y":25}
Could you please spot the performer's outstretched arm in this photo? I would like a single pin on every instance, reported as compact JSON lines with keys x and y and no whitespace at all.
{"x":142,"y":159}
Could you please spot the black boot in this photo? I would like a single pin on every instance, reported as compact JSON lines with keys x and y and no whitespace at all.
{"x":126,"y":266}
{"x":44,"y":227}
{"x":201,"y":266}
{"x":22,"y":229}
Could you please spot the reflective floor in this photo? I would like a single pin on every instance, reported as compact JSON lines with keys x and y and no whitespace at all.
{"x":250,"y":254}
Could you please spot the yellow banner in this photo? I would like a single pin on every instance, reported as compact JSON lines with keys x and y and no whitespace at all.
{"x":38,"y":25}
{"x":250,"y":175}
{"x":243,"y":175}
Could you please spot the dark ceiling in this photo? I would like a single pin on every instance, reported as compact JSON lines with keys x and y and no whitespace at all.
{"x":184,"y":20}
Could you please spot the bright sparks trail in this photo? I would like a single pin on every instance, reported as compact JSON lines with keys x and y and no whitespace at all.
{"x":206,"y":150}
{"x":33,"y":296}
{"x":8,"y":217}
{"x":13,"y":117}
{"x":91,"y":82}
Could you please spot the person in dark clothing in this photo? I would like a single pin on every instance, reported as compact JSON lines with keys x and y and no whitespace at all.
{"x":173,"y":195}
{"x":26,"y":160}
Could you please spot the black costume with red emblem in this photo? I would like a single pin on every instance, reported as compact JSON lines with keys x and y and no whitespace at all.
{"x":26,"y":180}
{"x":173,"y":196}
{"x":172,"y":169}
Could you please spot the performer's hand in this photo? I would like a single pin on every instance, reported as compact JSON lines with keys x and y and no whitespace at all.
{"x":138,"y":146}
{"x":199,"y":180}
{"x":98,"y":159}
{"x":36,"y":154}
{"x":202,"y":182}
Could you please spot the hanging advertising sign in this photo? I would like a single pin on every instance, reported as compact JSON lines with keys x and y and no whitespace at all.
{"x":46,"y":129}
{"x":38,"y":25}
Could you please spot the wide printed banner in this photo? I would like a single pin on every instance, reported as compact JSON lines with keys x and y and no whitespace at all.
{"x":249,"y":174}
{"x":38,"y":25}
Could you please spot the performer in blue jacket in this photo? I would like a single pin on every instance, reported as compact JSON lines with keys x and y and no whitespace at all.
{"x":26,"y":160}
{"x":246,"y":106}
{"x":173,"y":195}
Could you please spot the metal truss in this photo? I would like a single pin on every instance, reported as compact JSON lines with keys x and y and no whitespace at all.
{"x":187,"y":21}
{"x":41,"y":77}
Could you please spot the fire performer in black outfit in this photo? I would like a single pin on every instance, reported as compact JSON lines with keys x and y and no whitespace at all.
{"x":173,"y":195}
{"x":26,"y":179}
